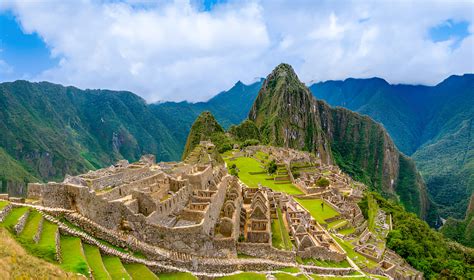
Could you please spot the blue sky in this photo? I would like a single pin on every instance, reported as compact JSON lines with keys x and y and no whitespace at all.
{"x":175,"y":50}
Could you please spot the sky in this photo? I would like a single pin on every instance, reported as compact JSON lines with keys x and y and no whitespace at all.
{"x":194,"y":49}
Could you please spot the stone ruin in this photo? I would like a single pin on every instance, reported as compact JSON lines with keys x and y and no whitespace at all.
{"x":194,"y":214}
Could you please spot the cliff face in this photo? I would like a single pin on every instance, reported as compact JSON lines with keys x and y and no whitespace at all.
{"x":288,"y":115}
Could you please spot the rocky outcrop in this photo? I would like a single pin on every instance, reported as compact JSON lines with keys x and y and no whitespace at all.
{"x":288,"y":115}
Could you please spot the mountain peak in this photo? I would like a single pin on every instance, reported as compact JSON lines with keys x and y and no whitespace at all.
{"x":283,"y":70}
{"x":203,"y":128}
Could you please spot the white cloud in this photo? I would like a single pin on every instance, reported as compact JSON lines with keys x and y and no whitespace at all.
{"x":5,"y":68}
{"x":173,"y":51}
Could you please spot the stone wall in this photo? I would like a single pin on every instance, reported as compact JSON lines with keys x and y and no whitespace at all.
{"x":262,"y":250}
{"x":34,"y":190}
{"x":200,"y":180}
{"x":321,"y":253}
{"x":128,"y":174}
{"x":127,"y":189}
{"x":176,"y":201}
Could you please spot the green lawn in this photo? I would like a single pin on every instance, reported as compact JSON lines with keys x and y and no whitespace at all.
{"x":245,"y":276}
{"x":3,"y":203}
{"x":246,"y":165}
{"x":337,"y":224}
{"x":347,"y":231}
{"x":290,"y":269}
{"x":319,"y":213}
{"x":318,"y":277}
{"x":46,"y":247}
{"x":12,"y":218}
{"x":280,"y":236}
{"x":94,"y":259}
{"x":372,"y":212}
{"x":285,"y":276}
{"x":72,"y":257}
{"x":115,"y":268}
{"x":139,"y":271}
{"x":177,"y":276}
{"x":324,"y":263}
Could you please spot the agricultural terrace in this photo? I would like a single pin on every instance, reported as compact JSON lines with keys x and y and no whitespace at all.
{"x":252,"y":172}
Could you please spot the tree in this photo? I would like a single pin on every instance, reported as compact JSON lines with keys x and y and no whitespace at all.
{"x":322,"y":182}
{"x":272,"y":167}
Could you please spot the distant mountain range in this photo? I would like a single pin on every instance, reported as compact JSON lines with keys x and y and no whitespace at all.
{"x":432,"y":124}
{"x":49,"y":130}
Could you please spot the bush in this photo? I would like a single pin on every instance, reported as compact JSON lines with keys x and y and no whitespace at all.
{"x":250,"y":142}
{"x":322,"y":182}
{"x":272,"y":167}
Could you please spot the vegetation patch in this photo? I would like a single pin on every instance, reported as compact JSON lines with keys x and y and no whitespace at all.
{"x":140,"y":271}
{"x":318,"y":209}
{"x":115,"y":268}
{"x":177,"y":276}
{"x":12,"y":218}
{"x":72,"y":257}
{"x":245,"y":276}
{"x":246,"y":165}
{"x":94,"y":259}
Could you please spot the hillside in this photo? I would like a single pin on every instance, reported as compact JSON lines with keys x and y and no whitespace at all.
{"x":49,"y":130}
{"x":288,"y":115}
{"x":424,"y":125}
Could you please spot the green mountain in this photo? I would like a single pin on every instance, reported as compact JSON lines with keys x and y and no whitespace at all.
{"x":432,"y":124}
{"x":288,"y":115}
{"x":205,"y":128}
{"x":49,"y":130}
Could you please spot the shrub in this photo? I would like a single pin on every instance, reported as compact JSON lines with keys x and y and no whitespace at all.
{"x":272,"y":167}
{"x":322,"y":182}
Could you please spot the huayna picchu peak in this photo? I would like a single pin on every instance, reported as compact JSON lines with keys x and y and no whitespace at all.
{"x":288,"y":115}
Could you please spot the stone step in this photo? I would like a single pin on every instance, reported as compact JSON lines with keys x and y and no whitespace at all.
{"x":115,"y":268}
{"x":140,"y":272}
{"x":20,"y":224}
{"x":72,"y":255}
{"x":94,"y":259}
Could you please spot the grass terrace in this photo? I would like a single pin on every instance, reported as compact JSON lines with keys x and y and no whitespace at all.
{"x":320,"y":214}
{"x":3,"y":203}
{"x":12,"y":218}
{"x":252,"y":173}
{"x":177,"y":275}
{"x":323,"y":263}
{"x":286,"y":276}
{"x":46,"y":247}
{"x":115,"y":268}
{"x":140,"y":271}
{"x":94,"y":260}
{"x":356,"y":257}
{"x":244,"y":276}
{"x":280,"y":236}
{"x":72,"y":257}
